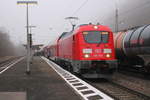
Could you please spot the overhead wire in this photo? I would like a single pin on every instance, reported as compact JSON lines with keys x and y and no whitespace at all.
{"x":137,"y":7}
{"x":141,"y":6}
{"x":133,"y":9}
{"x":81,"y":6}
{"x":77,"y":10}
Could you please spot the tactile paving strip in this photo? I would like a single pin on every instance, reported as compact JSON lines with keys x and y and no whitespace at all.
{"x":85,"y":90}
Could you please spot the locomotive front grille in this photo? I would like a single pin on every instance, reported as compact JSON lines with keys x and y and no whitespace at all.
{"x":103,"y":67}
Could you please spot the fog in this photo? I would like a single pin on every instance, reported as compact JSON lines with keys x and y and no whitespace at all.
{"x":131,"y":13}
{"x":7,"y":47}
{"x":49,"y":18}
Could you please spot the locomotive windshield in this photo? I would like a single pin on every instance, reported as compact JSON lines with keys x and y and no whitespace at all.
{"x":95,"y":37}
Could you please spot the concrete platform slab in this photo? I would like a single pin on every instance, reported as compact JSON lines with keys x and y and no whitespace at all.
{"x":42,"y":84}
{"x":13,"y":96}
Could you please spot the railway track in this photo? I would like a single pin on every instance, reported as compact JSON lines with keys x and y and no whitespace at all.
{"x":118,"y":92}
{"x":137,"y":72}
{"x":5,"y":63}
{"x":5,"y":60}
{"x":138,"y":84}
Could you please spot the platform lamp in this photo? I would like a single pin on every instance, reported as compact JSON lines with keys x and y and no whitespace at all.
{"x":27,"y":3}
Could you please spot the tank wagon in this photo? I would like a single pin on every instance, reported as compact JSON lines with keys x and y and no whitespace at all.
{"x":88,"y":50}
{"x":133,"y":48}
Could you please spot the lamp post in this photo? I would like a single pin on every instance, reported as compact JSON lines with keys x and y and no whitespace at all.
{"x":31,"y":27}
{"x":31,"y":42}
{"x":27,"y":3}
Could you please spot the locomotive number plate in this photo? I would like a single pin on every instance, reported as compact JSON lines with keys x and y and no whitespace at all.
{"x":107,"y":51}
{"x":98,"y":51}
{"x":87,"y":50}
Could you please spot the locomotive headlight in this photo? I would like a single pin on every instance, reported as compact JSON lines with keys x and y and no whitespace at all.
{"x":86,"y":55}
{"x":95,"y":27}
{"x":107,"y":51}
{"x":87,"y":50}
{"x":108,"y":55}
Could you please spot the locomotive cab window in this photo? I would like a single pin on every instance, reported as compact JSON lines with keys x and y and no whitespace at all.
{"x":104,"y":36}
{"x":95,"y":37}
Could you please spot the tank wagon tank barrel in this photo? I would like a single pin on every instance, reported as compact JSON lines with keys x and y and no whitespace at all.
{"x":133,"y":46}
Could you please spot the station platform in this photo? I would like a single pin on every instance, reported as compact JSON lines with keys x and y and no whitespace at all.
{"x":42,"y":84}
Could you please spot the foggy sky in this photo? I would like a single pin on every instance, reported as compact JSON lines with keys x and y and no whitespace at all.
{"x":7,"y":48}
{"x":49,"y":16}
{"x":131,"y":13}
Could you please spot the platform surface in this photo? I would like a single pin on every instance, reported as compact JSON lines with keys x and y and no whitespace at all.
{"x":13,"y":96}
{"x":42,"y":84}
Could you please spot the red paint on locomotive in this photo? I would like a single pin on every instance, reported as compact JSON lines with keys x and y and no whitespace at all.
{"x":88,"y":50}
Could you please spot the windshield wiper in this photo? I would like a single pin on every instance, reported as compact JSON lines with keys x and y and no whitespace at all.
{"x":98,"y":44}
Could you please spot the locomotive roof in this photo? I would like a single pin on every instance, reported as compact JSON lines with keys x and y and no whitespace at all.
{"x":84,"y":27}
{"x":91,"y":25}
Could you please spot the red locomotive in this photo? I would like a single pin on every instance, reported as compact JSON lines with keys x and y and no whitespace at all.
{"x":88,"y":51}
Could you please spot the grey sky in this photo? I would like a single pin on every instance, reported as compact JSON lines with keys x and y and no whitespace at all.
{"x":49,"y":16}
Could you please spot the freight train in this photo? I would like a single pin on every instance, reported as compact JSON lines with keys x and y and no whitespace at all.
{"x":88,"y":50}
{"x":133,"y":48}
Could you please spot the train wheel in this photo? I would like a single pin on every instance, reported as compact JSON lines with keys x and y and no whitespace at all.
{"x":70,"y":69}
